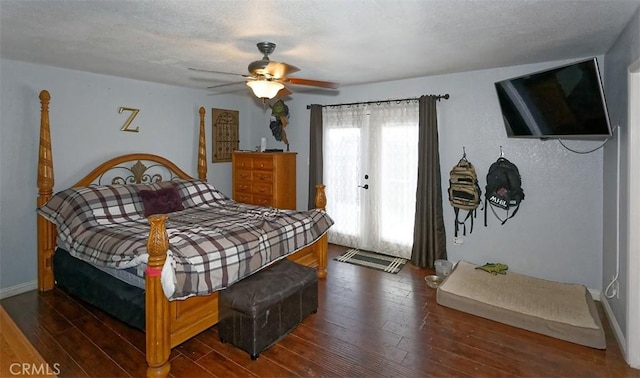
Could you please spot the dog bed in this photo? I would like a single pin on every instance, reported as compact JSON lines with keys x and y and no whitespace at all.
{"x":560,"y":310}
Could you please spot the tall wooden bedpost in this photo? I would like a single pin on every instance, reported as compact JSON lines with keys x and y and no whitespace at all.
{"x":202,"y":149}
{"x":321,"y":197}
{"x":46,"y":229}
{"x":321,"y":203}
{"x":157,"y":317}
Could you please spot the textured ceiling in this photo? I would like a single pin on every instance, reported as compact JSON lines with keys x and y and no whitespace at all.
{"x":348,"y":41}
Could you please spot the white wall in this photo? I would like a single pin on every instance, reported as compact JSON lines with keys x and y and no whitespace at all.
{"x":620,"y":56}
{"x":85,"y":130}
{"x":557,"y":233}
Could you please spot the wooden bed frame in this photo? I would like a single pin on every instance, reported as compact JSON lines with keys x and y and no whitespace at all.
{"x":168,"y":323}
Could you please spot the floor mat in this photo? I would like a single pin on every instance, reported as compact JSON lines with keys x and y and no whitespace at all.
{"x":389,"y":264}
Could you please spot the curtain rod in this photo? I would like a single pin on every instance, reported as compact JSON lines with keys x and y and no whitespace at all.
{"x":438,"y":97}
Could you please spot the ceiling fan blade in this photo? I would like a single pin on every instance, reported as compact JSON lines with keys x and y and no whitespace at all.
{"x":279,"y":70}
{"x":225,"y":84}
{"x":216,"y":93}
{"x":312,"y":83}
{"x":283,"y":92}
{"x":217,"y":72}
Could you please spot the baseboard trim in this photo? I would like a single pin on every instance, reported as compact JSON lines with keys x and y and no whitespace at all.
{"x":18,"y":289}
{"x":595,"y":294}
{"x":622,"y":341}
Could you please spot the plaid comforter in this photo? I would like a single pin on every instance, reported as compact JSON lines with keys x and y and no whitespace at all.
{"x":213,"y":242}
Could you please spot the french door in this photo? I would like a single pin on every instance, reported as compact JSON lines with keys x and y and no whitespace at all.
{"x":370,"y":170}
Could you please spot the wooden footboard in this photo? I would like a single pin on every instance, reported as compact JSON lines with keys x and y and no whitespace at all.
{"x":168,"y":323}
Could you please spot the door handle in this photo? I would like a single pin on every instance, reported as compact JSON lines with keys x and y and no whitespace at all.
{"x":365,"y":186}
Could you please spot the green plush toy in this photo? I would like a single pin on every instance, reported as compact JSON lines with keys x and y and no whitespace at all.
{"x":494,"y":268}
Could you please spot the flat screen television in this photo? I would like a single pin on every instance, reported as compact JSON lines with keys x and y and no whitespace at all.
{"x":565,"y":102}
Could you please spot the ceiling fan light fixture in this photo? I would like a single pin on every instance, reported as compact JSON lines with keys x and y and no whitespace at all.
{"x":264,"y":88}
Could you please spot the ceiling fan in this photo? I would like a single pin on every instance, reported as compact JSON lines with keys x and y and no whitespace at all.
{"x":267,"y":78}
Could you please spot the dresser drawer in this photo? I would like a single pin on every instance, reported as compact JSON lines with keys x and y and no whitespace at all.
{"x":243,"y":175}
{"x":262,"y":189}
{"x":262,"y":163}
{"x":262,"y":176}
{"x":243,"y":162}
{"x":262,"y":200}
{"x":243,"y":187}
{"x":244,"y":197}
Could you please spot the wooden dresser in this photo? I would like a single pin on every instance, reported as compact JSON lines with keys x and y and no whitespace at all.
{"x":265,"y":178}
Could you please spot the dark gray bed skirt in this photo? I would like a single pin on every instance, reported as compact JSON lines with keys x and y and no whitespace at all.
{"x":117,"y":298}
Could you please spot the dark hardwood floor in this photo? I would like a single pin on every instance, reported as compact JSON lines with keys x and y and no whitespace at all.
{"x":369,"y":324}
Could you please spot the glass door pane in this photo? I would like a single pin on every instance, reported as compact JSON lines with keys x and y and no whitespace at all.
{"x":342,"y":172}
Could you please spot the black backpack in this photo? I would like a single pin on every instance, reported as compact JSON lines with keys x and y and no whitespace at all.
{"x":504,"y":189}
{"x":464,"y":192}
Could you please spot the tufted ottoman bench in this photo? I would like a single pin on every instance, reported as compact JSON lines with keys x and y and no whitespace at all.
{"x":261,"y":309}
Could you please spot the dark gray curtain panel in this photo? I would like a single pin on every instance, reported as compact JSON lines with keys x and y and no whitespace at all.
{"x":315,"y":153}
{"x":429,"y":239}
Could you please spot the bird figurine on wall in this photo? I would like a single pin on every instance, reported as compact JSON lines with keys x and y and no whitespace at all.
{"x":279,"y":120}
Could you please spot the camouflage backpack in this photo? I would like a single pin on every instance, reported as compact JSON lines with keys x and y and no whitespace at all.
{"x":464,"y":192}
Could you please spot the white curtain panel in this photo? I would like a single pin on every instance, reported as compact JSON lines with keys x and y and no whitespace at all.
{"x":342,"y":171}
{"x":379,"y":140}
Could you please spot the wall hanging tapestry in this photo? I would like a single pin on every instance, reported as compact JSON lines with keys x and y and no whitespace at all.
{"x":225,"y":134}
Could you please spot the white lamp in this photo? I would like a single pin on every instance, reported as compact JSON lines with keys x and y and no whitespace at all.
{"x":265,"y":88}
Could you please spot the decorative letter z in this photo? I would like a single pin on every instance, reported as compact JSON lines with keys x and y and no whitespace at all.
{"x":134,"y":113}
